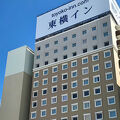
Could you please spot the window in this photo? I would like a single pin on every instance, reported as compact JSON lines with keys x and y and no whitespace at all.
{"x":35,"y":93}
{"x":74,"y":63}
{"x":74,"y":84}
{"x":33,"y":115}
{"x":54,"y":69}
{"x":95,"y":47}
{"x":64,"y":66}
{"x":99,"y":115}
{"x":46,"y":45}
{"x":93,"y":28}
{"x":54,"y":89}
{"x":44,"y":91}
{"x":38,"y":57}
{"x":94,"y":38}
{"x":65,"y":48}
{"x":54,"y":79}
{"x":84,"y":41}
{"x":64,"y":86}
{"x":85,"y":60}
{"x":98,"y":102}
{"x":86,"y":105}
{"x":109,"y":76}
{"x":46,"y":62}
{"x":110,"y":87}
{"x":37,"y":65}
{"x":47,"y":54}
{"x":74,"y":107}
{"x":97,"y":90}
{"x":56,"y":42}
{"x":107,"y":54}
{"x":112,"y":113}
{"x":43,"y":102}
{"x":43,"y":113}
{"x":38,"y":48}
{"x":74,"y":53}
{"x":65,"y":57}
{"x":64,"y":97}
{"x":85,"y":50}
{"x":85,"y":81}
{"x":84,"y":32}
{"x":45,"y":72}
{"x":54,"y":100}
{"x":65,"y":39}
{"x":56,"y":51}
{"x":74,"y":45}
{"x":108,"y":64}
{"x":105,"y":34}
{"x":87,"y":116}
{"x":65,"y":118}
{"x":36,"y":74}
{"x":45,"y":81}
{"x":34,"y":104}
{"x":105,"y":24}
{"x":86,"y":93}
{"x":106,"y":43}
{"x":56,"y":59}
{"x":111,"y":100}
{"x":64,"y":76}
{"x":53,"y":111}
{"x":74,"y":36}
{"x":95,"y":57}
{"x":75,"y":117}
{"x":95,"y":68}
{"x":74,"y":95}
{"x":85,"y":71}
{"x":96,"y":79}
{"x":74,"y":73}
{"x":64,"y":109}
{"x":35,"y":84}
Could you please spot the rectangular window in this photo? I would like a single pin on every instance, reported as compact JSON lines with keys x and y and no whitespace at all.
{"x":38,"y":48}
{"x":64,"y":76}
{"x":95,"y":68}
{"x":55,"y":69}
{"x":65,"y":48}
{"x":105,"y":24}
{"x":53,"y":111}
{"x":107,"y":54}
{"x":56,"y":51}
{"x":54,"y":100}
{"x":105,"y":34}
{"x":65,"y":57}
{"x":86,"y":105}
{"x":95,"y":57}
{"x":97,"y":90}
{"x":84,"y":41}
{"x":75,"y":117}
{"x":35,"y":93}
{"x":36,"y":74}
{"x":33,"y":115}
{"x":46,"y":62}
{"x":85,"y":81}
{"x":74,"y":45}
{"x":64,"y":66}
{"x":106,"y":43}
{"x":86,"y":93}
{"x":37,"y":65}
{"x":87,"y":116}
{"x":95,"y":47}
{"x":85,"y":50}
{"x":74,"y":36}
{"x":64,"y":109}
{"x":96,"y":79}
{"x":74,"y":95}
{"x":109,"y":76}
{"x":47,"y":54}
{"x":45,"y":72}
{"x":85,"y":71}
{"x":84,"y":32}
{"x":112,"y":113}
{"x":65,"y":39}
{"x":44,"y":91}
{"x":54,"y":79}
{"x":38,"y":57}
{"x":65,"y":118}
{"x":108,"y":64}
{"x":55,"y":59}
{"x":99,"y":115}
{"x":93,"y":28}
{"x":45,"y":81}
{"x":34,"y":104}
{"x":35,"y":84}
{"x":74,"y":84}
{"x":73,"y":74}
{"x":94,"y":38}
{"x":85,"y":60}
{"x":54,"y":89}
{"x":64,"y":97}
{"x":74,"y":53}
{"x":74,"y":63}
{"x":43,"y":113}
{"x":110,"y":87}
{"x":64,"y":86}
{"x":98,"y":102}
{"x":43,"y":102}
{"x":111,"y":100}
{"x":56,"y":42}
{"x":74,"y":107}
{"x":46,"y":45}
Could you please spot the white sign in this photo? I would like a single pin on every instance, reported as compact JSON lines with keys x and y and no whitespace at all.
{"x":70,"y":14}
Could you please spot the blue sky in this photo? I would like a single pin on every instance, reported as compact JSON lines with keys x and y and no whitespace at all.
{"x":18,"y":25}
